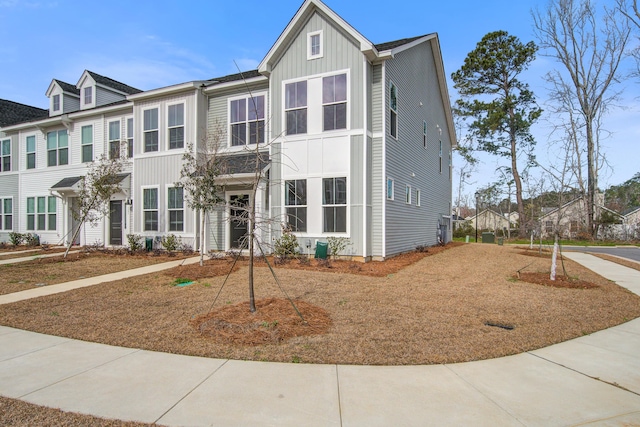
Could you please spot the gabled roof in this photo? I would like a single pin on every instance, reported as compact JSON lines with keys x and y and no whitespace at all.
{"x":235,"y":77}
{"x":308,"y":8}
{"x":397,"y":43}
{"x":66,"y":87}
{"x":71,"y":183}
{"x":13,"y":112}
{"x":110,"y":83}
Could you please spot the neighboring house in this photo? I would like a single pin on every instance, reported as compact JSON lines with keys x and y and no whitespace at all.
{"x":491,"y":220}
{"x":631,"y":224}
{"x":571,"y":218}
{"x":356,"y":141}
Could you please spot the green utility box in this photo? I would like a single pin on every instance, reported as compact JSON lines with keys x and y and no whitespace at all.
{"x":488,"y":238}
{"x":148,"y":244}
{"x":321,"y":250}
{"x":500,"y":241}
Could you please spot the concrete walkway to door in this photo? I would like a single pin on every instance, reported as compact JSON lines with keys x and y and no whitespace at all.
{"x":592,"y":380}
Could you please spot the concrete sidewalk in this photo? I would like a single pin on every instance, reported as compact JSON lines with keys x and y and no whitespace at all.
{"x":592,"y":380}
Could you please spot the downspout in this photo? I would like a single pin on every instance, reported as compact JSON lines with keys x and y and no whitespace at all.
{"x":365,"y":133}
{"x":384,"y":160}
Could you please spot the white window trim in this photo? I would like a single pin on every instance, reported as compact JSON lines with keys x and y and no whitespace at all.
{"x":2,"y":156}
{"x":418,"y":197}
{"x":347,"y":101}
{"x":396,"y":136}
{"x":183,"y":126}
{"x":3,"y":214}
{"x":440,"y":157}
{"x":168,"y":210}
{"x":142,"y":140}
{"x":393,"y":189}
{"x":245,"y":97}
{"x":143,"y":210}
{"x":310,"y":56}
{"x":82,"y":145}
{"x":132,"y":130}
{"x":84,"y":96}
{"x":347,"y":231}
{"x":306,"y":205}
{"x":424,"y":134}
{"x":408,"y":195}
{"x":53,"y":102}
{"x":34,"y":152}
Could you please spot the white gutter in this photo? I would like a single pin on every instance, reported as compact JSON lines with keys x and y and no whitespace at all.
{"x":365,"y":227}
{"x":384,"y":161}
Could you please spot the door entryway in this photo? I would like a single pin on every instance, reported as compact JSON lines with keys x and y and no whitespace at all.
{"x":115,"y":222}
{"x":238,"y":224}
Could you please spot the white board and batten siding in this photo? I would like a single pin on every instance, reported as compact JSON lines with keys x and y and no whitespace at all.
{"x":317,"y":155}
{"x":407,"y":161}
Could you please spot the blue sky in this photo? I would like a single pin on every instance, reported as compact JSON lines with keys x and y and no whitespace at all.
{"x":150,"y":44}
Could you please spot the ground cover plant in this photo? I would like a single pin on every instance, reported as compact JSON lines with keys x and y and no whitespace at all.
{"x":441,"y":309}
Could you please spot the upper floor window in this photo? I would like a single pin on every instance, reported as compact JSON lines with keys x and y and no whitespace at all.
{"x":87,"y":143}
{"x":418,"y":197}
{"x":334,"y":102}
{"x":57,"y":148}
{"x":130,"y":138}
{"x":6,"y":214}
{"x":114,"y":139}
{"x":247,"y":117}
{"x":314,"y":45}
{"x":31,"y":152}
{"x":5,"y":152}
{"x":296,"y":204}
{"x":424,"y":134}
{"x":296,"y":107}
{"x":150,"y":123}
{"x":175,"y":206}
{"x":88,"y":95}
{"x":390,"y":188}
{"x":56,"y":102}
{"x":407,"y":197}
{"x":393,"y":110}
{"x":334,"y":205}
{"x":440,"y":156}
{"x":176,"y":126}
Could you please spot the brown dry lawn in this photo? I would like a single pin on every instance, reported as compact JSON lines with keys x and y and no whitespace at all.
{"x":48,"y":271}
{"x":433,"y":311}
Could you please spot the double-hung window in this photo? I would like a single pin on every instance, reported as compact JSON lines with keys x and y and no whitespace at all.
{"x":314,"y":45}
{"x":247,"y":120}
{"x":31,"y":213}
{"x":51,"y":212}
{"x":334,"y":205}
{"x":6,"y":214}
{"x":57,"y":148}
{"x":5,"y":152}
{"x":114,"y":139}
{"x":296,"y":107}
{"x":31,"y":152}
{"x":150,"y":123}
{"x":334,"y":102}
{"x":87,"y":143}
{"x":176,"y":126}
{"x":175,"y":204}
{"x":42,"y":213}
{"x":393,"y":110}
{"x":296,"y":204}
{"x":88,"y":95}
{"x":56,"y":103}
{"x":46,"y":213}
{"x":150,"y":209}
{"x":130,"y":138}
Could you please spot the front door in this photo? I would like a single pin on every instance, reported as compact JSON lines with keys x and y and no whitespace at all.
{"x":115,"y":222}
{"x":238,"y":224}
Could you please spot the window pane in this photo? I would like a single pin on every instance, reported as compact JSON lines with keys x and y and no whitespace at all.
{"x":328,"y":89}
{"x":315,"y":44}
{"x":176,"y":221}
{"x":63,"y":156}
{"x":238,"y":110}
{"x":290,"y":193}
{"x":114,"y":149}
{"x":341,"y":191}
{"x":51,"y":205}
{"x":175,"y":198}
{"x":151,"y":221}
{"x":290,"y":95}
{"x":114,"y":130}
{"x":52,"y":221}
{"x":329,"y":220}
{"x":8,"y":222}
{"x":42,"y":203}
{"x":176,"y":137}
{"x":7,"y":206}
{"x":256,"y":132}
{"x":129,"y":128}
{"x":151,"y":119}
{"x":238,"y":134}
{"x":256,"y":108}
{"x":150,"y":198}
{"x":52,"y":158}
{"x":328,"y":193}
{"x":31,"y":144}
{"x":393,"y":98}
{"x":87,"y":134}
{"x":42,"y":222}
{"x":31,"y":161}
{"x":151,"y":141}
{"x":63,"y":139}
{"x":31,"y":222}
{"x":341,"y":219}
{"x":87,"y":153}
{"x":31,"y":205}
{"x":52,"y":140}
{"x":329,"y":114}
{"x":297,"y":219}
{"x":6,"y":163}
{"x":6,"y":147}
{"x":341,"y":87}
{"x":176,"y":115}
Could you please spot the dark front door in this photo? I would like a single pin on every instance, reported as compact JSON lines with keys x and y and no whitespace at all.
{"x":115,"y":222}
{"x":238,"y":224}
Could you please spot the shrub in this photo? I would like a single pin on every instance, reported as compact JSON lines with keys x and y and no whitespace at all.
{"x":32,"y":239}
{"x":16,"y":238}
{"x":286,"y":246}
{"x":337,"y":245}
{"x":135,"y":242}
{"x":171,"y":242}
{"x":464,"y":229}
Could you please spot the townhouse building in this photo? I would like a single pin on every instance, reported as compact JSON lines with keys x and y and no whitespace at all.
{"x":336,"y":136}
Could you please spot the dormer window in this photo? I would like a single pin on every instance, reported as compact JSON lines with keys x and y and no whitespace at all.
{"x":88,"y":95}
{"x":56,"y":102}
{"x":314,"y":45}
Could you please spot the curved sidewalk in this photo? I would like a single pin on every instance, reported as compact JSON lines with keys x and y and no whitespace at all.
{"x":592,"y":380}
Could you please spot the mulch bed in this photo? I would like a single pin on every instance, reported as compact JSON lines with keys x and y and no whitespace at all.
{"x":274,"y":321}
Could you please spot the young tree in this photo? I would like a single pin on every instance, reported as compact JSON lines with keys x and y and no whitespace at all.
{"x":500,"y":106}
{"x":199,"y":178}
{"x":95,"y":190}
{"x":590,"y":50}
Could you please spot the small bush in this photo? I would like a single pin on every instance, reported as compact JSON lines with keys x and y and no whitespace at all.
{"x":337,"y":245}
{"x":16,"y":238}
{"x":422,"y":248}
{"x":32,"y":239}
{"x":135,"y":242}
{"x":171,"y":242}
{"x":286,"y":246}
{"x":464,"y":229}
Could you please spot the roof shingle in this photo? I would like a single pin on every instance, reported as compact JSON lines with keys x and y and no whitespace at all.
{"x":13,"y":112}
